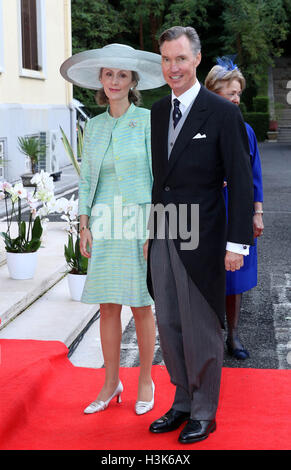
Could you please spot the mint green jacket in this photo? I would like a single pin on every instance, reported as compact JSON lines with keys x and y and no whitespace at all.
{"x":129,"y":136}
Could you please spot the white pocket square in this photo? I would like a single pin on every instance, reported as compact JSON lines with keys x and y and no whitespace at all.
{"x":199,"y":136}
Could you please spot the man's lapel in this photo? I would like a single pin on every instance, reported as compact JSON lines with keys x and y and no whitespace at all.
{"x":193,"y":123}
{"x":163,"y":132}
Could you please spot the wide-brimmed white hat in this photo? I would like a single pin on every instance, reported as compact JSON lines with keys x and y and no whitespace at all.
{"x":83,"y":69}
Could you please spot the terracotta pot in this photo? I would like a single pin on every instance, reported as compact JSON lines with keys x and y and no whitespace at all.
{"x":273,"y":126}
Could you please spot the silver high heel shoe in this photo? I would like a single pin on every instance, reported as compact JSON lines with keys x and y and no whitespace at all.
{"x":142,"y":407}
{"x":99,"y":405}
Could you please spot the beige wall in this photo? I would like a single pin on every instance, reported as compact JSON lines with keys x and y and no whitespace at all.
{"x":51,"y":88}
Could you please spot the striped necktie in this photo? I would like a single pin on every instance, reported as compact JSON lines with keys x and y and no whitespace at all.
{"x":176,"y":112}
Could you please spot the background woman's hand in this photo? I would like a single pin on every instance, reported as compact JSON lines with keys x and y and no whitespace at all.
{"x":85,"y":241}
{"x":258,"y":225}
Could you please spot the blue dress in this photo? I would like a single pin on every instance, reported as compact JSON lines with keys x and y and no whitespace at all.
{"x":246,"y":277}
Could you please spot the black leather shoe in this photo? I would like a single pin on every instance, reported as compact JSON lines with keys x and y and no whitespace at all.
{"x":169,"y":421}
{"x":195,"y":431}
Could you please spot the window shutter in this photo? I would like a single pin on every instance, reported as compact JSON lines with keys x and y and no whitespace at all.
{"x":29,"y":34}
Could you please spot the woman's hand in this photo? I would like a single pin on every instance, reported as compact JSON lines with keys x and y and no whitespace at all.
{"x":258,"y":225}
{"x":85,"y":241}
{"x":145,"y":250}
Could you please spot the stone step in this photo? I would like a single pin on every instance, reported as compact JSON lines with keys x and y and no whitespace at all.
{"x":17,"y":295}
{"x":52,"y":317}
{"x":282,"y":97}
{"x":284,"y":134}
{"x":282,"y":61}
{"x":282,"y":92}
{"x":41,"y":308}
{"x":281,"y":74}
{"x":88,"y":352}
{"x":285,"y":122}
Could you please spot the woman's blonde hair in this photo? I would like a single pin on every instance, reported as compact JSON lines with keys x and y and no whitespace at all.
{"x":219,"y":75}
{"x":134,"y":95}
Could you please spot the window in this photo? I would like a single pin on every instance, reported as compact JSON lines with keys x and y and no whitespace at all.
{"x":2,"y":158}
{"x":29,"y":35}
{"x":32,"y":38}
{"x":1,"y":40}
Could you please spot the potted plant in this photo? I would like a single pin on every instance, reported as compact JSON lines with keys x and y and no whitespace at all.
{"x":80,"y":140}
{"x":77,"y":264}
{"x":23,"y":239}
{"x":32,"y":148}
{"x":276,"y":111}
{"x":22,"y":248}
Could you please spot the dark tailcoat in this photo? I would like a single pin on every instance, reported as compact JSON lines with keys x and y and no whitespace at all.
{"x":194,"y":174}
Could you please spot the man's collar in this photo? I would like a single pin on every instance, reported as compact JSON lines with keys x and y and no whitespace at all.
{"x":188,"y":96}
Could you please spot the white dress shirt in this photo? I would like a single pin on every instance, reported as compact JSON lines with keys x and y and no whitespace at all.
{"x":186,"y":100}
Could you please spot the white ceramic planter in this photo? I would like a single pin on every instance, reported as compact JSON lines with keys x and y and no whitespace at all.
{"x":76,"y":284}
{"x":21,"y":265}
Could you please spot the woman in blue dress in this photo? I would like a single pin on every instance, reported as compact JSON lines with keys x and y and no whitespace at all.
{"x":114,"y":192}
{"x":226,"y":80}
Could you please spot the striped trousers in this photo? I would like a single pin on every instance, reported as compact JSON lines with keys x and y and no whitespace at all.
{"x":190,"y":333}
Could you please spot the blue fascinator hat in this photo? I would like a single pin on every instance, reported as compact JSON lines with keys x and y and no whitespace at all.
{"x":227,"y":62}
{"x":227,"y":65}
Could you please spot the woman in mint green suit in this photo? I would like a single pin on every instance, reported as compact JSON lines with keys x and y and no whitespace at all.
{"x":114,"y":199}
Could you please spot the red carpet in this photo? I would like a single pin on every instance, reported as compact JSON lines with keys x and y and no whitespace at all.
{"x":43,"y":396}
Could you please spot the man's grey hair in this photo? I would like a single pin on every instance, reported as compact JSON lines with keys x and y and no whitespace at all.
{"x":177,"y":31}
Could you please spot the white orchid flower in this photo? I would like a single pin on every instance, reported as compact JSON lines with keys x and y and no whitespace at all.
{"x":62,"y":205}
{"x":42,"y":212}
{"x":5,"y":186}
{"x":44,"y":195}
{"x":18,"y":192}
{"x":43,"y":181}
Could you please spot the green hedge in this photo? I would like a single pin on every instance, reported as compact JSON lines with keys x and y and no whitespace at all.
{"x":259,"y":122}
{"x":243,"y":107}
{"x":261,"y":104}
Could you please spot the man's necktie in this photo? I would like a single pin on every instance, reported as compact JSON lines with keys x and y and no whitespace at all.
{"x":176,"y":113}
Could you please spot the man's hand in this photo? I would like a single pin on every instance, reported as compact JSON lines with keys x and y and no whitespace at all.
{"x":233,"y":261}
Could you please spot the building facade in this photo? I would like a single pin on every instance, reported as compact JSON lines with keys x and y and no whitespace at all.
{"x":35,"y":38}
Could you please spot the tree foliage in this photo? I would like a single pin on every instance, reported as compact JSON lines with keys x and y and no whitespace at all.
{"x":254,"y":30}
{"x":95,"y":24}
{"x":144,"y":19}
{"x":188,"y":13}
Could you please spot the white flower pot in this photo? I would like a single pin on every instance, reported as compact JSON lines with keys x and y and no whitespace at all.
{"x":76,"y":284}
{"x":21,"y":265}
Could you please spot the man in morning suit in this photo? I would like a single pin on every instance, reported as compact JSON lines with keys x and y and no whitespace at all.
{"x":198,"y":139}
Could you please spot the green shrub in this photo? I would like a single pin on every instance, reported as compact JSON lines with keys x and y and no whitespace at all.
{"x":259,"y":122}
{"x":243,"y":107}
{"x":261,"y":104}
{"x":149,"y":97}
